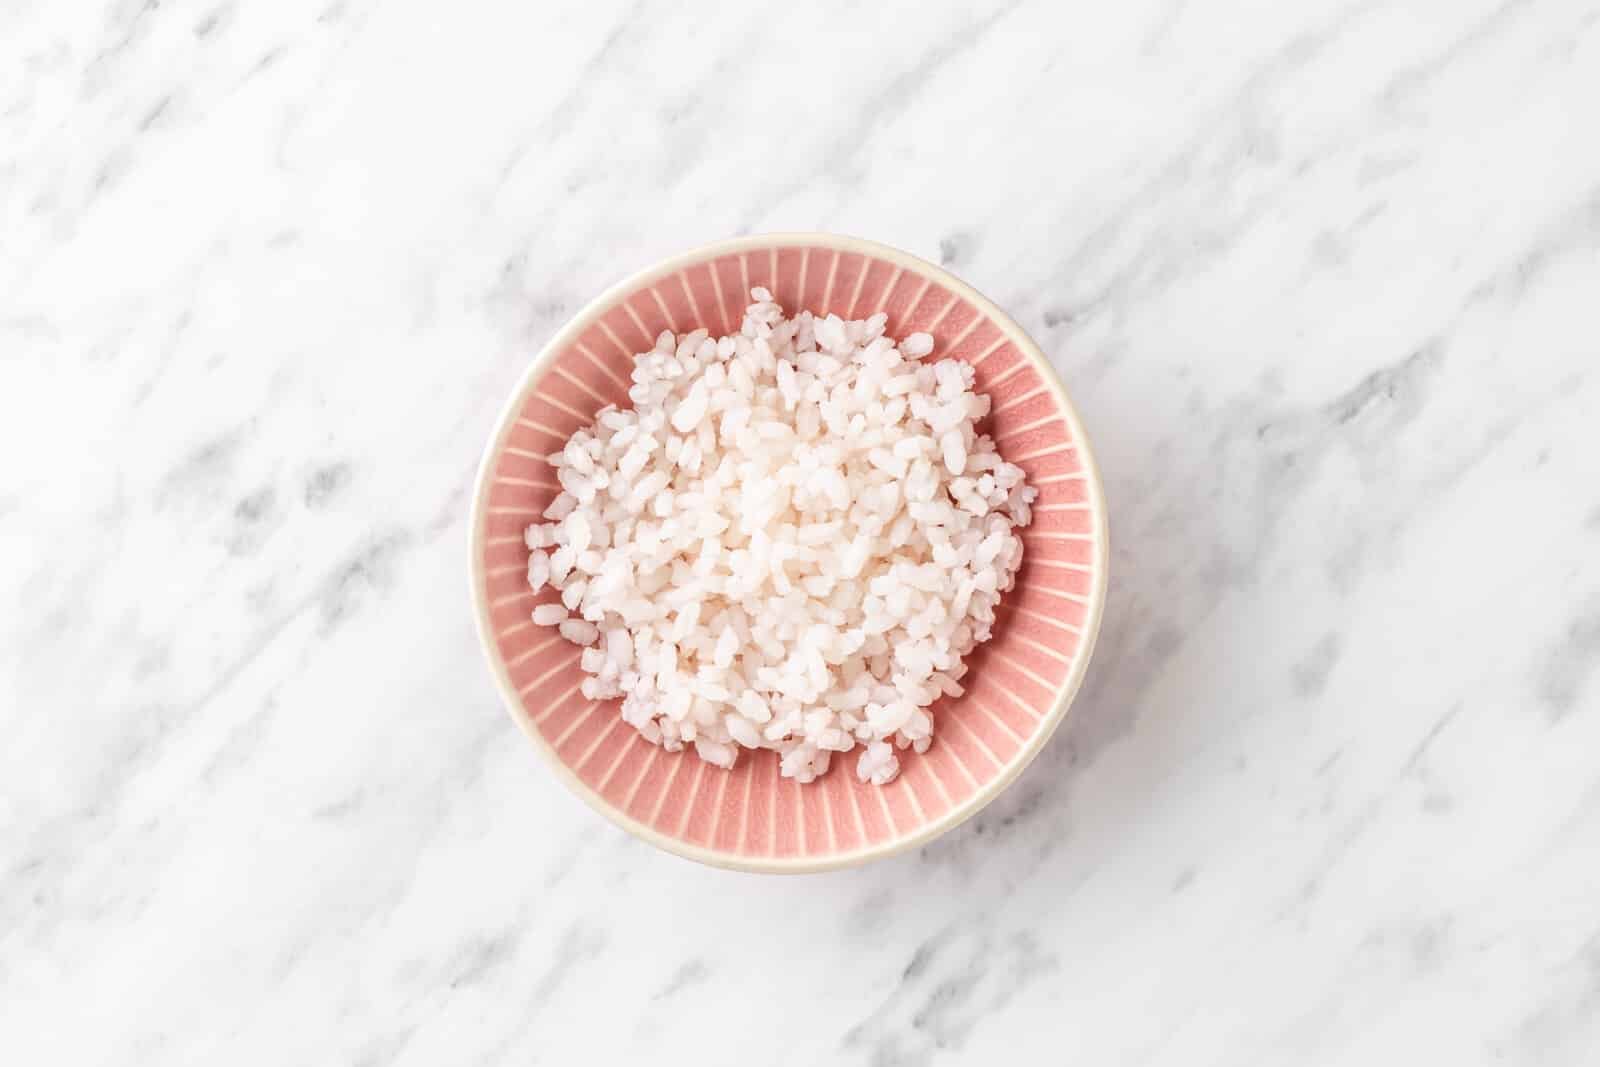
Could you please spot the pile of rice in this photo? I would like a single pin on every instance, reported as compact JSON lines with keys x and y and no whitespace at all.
{"x":789,"y":542}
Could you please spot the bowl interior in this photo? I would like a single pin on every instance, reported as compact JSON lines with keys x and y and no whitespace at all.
{"x":1020,"y":681}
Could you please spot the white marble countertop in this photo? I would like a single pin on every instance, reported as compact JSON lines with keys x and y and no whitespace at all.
{"x":1323,"y":278}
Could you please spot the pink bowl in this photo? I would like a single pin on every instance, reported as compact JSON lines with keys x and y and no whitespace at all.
{"x":1021,"y":681}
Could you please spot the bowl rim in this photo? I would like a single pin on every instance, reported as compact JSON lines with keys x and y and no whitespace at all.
{"x":1032,"y":745}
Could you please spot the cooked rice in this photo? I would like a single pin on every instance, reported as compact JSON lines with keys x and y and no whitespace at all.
{"x":789,"y":542}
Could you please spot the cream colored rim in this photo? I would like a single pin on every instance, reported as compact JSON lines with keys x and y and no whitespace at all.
{"x":1064,"y":696}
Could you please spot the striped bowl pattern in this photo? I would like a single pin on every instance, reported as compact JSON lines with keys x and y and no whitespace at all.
{"x":1020,"y":682}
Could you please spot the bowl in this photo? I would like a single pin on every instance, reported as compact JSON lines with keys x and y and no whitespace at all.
{"x":1021,"y":682}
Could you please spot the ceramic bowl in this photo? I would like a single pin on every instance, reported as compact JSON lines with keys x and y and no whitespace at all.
{"x":1021,"y":682}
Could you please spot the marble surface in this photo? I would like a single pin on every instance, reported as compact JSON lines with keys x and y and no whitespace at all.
{"x":1322,"y":277}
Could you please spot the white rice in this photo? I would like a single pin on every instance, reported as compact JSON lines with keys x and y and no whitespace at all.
{"x":789,"y":541}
